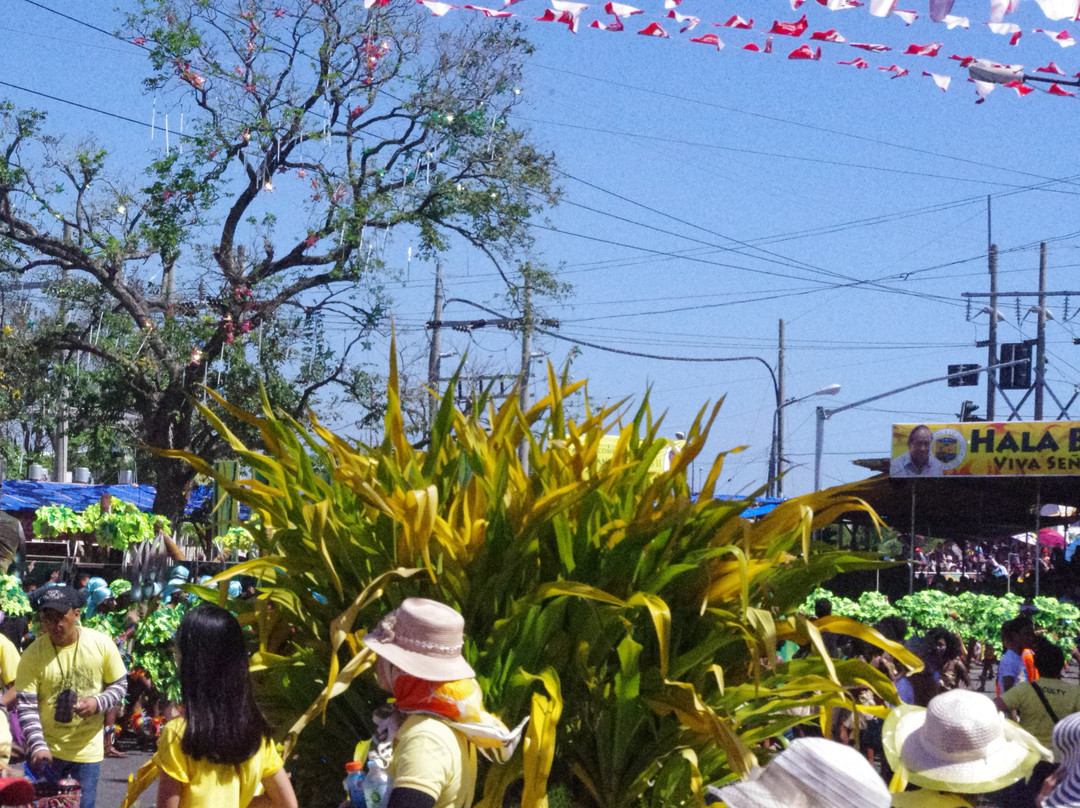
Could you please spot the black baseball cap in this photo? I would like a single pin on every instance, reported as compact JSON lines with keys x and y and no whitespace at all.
{"x":60,"y":598}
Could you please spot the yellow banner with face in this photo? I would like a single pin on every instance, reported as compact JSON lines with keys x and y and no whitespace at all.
{"x":981,"y":449}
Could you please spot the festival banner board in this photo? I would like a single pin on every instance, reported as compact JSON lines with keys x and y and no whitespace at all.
{"x":660,"y":463}
{"x":981,"y":449}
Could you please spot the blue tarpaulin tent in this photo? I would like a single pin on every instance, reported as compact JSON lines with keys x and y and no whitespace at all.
{"x":762,"y":505}
{"x":29,"y":495}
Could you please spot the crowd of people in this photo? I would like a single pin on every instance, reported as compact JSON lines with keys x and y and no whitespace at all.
{"x":979,"y":567}
{"x":215,"y":747}
{"x":944,"y":744}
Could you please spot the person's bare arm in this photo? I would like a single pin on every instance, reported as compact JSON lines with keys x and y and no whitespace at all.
{"x":169,"y":791}
{"x":1007,"y":683}
{"x":1049,"y":784}
{"x":278,"y":792}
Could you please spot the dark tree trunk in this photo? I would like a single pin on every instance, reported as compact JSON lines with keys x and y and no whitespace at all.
{"x":169,"y":423}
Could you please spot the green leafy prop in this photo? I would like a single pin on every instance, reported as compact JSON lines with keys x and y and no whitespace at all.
{"x":122,"y":527}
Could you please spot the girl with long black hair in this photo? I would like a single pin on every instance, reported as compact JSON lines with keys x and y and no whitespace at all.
{"x":220,"y":753}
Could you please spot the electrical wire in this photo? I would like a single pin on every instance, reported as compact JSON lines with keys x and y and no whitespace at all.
{"x":788,"y":121}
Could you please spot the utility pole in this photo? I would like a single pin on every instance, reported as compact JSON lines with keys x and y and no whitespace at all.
{"x":992,"y":348}
{"x":60,"y":447}
{"x":1040,"y":339}
{"x":526,"y":363}
{"x":436,"y":348}
{"x":778,"y":471}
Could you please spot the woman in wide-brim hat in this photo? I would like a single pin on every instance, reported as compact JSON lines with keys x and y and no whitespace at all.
{"x":1062,"y":788}
{"x":811,"y":773}
{"x":426,"y":743}
{"x":960,"y":744}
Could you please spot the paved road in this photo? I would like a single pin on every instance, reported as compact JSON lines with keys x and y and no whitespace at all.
{"x":114,"y":777}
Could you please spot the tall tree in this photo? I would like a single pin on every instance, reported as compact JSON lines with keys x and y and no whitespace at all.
{"x":318,"y":128}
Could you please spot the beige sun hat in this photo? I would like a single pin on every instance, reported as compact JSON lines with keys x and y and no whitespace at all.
{"x":424,"y":638}
{"x":959,"y":743}
{"x":811,"y":773}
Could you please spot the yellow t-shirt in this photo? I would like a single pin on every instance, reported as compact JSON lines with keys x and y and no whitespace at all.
{"x":220,"y":785}
{"x":1064,"y":697}
{"x":924,"y":798}
{"x":9,"y":660}
{"x":433,"y":758}
{"x":9,"y":665}
{"x":86,"y":666}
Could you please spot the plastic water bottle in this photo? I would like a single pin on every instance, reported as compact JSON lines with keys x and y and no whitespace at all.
{"x":377,"y":786}
{"x":354,"y":783}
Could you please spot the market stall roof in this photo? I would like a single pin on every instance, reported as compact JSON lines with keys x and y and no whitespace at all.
{"x":969,"y":507}
{"x":29,"y":495}
{"x":761,"y":506}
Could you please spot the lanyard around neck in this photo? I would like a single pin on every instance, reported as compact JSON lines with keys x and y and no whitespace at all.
{"x":71,"y":665}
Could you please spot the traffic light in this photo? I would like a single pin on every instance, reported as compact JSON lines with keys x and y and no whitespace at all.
{"x":1017,"y":377}
{"x":967,"y":411}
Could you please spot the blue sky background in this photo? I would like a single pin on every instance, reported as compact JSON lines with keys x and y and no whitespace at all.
{"x":713,"y":194}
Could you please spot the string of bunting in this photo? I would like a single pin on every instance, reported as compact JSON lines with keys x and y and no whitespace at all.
{"x":671,"y":23}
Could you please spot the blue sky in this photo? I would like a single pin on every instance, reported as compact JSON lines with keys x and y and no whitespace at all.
{"x":715,"y":193}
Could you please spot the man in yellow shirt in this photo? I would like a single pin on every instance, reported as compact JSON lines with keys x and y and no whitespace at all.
{"x":66,"y":681}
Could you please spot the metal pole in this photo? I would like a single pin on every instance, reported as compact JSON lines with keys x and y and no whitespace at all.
{"x":779,"y":487}
{"x":526,"y":362}
{"x":436,"y":348}
{"x":1038,"y":522}
{"x":823,"y":413}
{"x":911,"y":548}
{"x":819,"y":443}
{"x":1040,"y":342}
{"x":991,"y":379}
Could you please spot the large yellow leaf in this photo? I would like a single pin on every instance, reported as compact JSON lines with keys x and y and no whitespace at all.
{"x":682,"y":699}
{"x":539,"y":744}
{"x":661,"y":617}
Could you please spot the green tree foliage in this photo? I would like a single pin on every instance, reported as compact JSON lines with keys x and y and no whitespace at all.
{"x":315,"y":129}
{"x":636,"y":626}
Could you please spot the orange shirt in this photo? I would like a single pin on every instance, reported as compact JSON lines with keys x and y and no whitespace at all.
{"x":1029,"y":664}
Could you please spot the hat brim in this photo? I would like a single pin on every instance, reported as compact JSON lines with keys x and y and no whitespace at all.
{"x":905,"y":750}
{"x":749,"y":794}
{"x":429,"y":668}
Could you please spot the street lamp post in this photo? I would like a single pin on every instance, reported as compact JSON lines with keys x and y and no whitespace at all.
{"x":994,"y":73}
{"x":776,"y":481}
{"x":823,"y":414}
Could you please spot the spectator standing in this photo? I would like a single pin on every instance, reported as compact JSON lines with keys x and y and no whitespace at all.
{"x":437,"y":723}
{"x":66,"y":681}
{"x":1039,"y":706}
{"x":221,"y":750}
{"x":1062,"y":788}
{"x":9,"y":666}
{"x":811,"y":773}
{"x":1016,"y":635}
{"x":958,"y":745}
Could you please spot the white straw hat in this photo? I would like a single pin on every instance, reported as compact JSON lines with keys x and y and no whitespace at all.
{"x":811,"y":773}
{"x":424,"y":638}
{"x":959,"y":743}
{"x":1067,"y":744}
